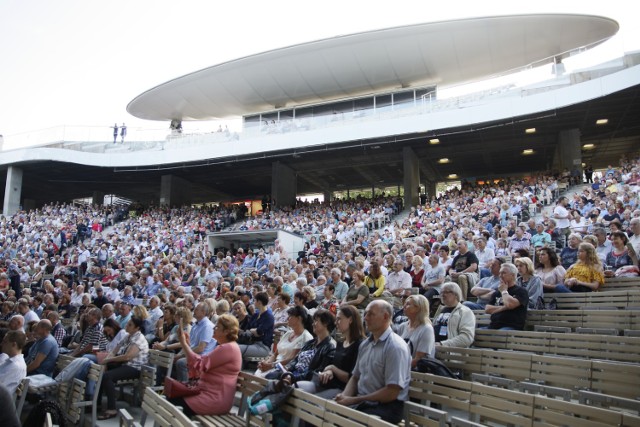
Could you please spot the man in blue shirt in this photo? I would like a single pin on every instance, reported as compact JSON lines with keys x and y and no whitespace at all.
{"x":380,"y":382}
{"x":125,"y":314}
{"x":541,"y":238}
{"x":200,"y":338}
{"x":42,"y":355}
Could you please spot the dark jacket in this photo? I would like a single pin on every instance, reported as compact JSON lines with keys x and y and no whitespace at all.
{"x":322,"y":358}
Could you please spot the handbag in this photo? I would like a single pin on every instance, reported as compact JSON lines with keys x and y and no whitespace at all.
{"x":246,"y":338}
{"x":174,"y":388}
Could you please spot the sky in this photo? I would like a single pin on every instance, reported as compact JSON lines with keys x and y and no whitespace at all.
{"x":80,"y":62}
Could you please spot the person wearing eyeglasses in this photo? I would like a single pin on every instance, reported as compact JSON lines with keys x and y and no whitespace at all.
{"x":454,"y":324}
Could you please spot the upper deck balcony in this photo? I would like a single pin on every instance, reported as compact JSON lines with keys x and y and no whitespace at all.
{"x":94,"y":146}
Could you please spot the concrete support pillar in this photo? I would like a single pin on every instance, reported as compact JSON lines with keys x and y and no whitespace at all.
{"x":97,"y":198}
{"x":284,"y":185}
{"x":328,"y":196}
{"x":411,"y":167}
{"x":430,"y":186}
{"x":12,"y":191}
{"x":570,"y":150}
{"x":174,"y":191}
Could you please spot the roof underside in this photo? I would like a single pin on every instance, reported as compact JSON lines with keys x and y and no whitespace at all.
{"x":441,"y":53}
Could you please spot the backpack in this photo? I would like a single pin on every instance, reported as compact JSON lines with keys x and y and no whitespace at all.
{"x":431,"y":365}
{"x":271,"y":396}
{"x":39,"y":413}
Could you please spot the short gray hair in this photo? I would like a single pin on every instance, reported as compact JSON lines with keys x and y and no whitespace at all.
{"x":454,"y":288}
{"x":511,"y":268}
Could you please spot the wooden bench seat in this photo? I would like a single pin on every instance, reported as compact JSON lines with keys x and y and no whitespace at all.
{"x":545,"y":390}
{"x":530,"y":341}
{"x":563,"y":318}
{"x":574,"y":373}
{"x":492,"y":404}
{"x":588,"y":346}
{"x":463,"y":360}
{"x":305,"y":407}
{"x":247,"y":385}
{"x":496,"y":406}
{"x":622,"y":283}
{"x":163,"y":413}
{"x":512,"y":365}
{"x":420,"y":415}
{"x":336,"y":415}
{"x":448,"y":393}
{"x":615,"y":378}
{"x":631,"y":406}
{"x":488,"y":338}
{"x":618,"y":298}
{"x":563,"y":372}
{"x":554,"y":412}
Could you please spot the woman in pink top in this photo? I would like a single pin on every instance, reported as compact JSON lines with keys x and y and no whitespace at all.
{"x":218,"y":371}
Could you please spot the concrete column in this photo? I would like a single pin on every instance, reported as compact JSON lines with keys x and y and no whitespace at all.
{"x":97,"y":198}
{"x":284,"y":185}
{"x":12,"y":191}
{"x":411,"y":166}
{"x":174,"y":191}
{"x":430,"y":186}
{"x":328,"y":196}
{"x":569,"y":150}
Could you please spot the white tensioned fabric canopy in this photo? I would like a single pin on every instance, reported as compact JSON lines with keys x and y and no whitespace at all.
{"x":343,"y":67}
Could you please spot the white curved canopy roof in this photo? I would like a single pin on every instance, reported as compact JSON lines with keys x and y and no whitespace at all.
{"x":441,"y":53}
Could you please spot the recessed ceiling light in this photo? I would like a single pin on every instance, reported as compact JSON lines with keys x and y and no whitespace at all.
{"x":434,"y":141}
{"x":527,"y":151}
{"x":452,"y":176}
{"x":530,"y":130}
{"x":589,"y":146}
{"x":602,"y":121}
{"x":443,"y":160}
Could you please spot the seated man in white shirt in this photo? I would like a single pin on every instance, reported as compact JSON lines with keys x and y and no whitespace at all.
{"x":485,"y":256}
{"x":13,"y":369}
{"x":398,"y":281}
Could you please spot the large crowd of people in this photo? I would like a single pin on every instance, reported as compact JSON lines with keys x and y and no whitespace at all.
{"x":370,"y":295}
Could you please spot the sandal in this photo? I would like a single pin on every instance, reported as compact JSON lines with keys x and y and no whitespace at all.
{"x":107,"y":415}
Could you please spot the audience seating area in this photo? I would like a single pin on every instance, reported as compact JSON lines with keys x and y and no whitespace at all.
{"x":515,"y":389}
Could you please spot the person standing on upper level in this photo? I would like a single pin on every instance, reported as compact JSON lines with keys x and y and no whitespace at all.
{"x":123,"y":132}
{"x":115,"y":132}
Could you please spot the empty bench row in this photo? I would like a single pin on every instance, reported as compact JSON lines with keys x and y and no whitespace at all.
{"x":611,"y":378}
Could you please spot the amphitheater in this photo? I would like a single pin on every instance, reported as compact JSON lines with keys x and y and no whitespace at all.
{"x":360,"y":122}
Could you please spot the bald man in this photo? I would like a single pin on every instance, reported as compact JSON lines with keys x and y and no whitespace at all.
{"x":380,"y":381}
{"x":42,"y":355}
